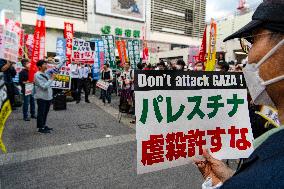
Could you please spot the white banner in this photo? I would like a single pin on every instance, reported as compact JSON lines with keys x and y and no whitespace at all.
{"x":180,"y":114}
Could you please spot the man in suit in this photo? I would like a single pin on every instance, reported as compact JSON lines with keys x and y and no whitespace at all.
{"x":264,"y":75}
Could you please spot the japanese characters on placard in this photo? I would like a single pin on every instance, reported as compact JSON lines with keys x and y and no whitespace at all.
{"x":121,"y":47}
{"x":99,"y":58}
{"x":180,"y":113}
{"x":14,"y":26}
{"x":133,"y":47}
{"x":61,"y":81}
{"x":68,"y":35}
{"x":82,"y":52}
{"x":5,"y":109}
{"x":61,"y":47}
{"x":11,"y":42}
{"x":109,"y":49}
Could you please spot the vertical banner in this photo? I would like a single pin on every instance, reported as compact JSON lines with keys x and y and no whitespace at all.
{"x":99,"y":59}
{"x":181,"y":113}
{"x":121,"y":47}
{"x":145,"y":55}
{"x":68,"y":35}
{"x":109,"y":49}
{"x":202,"y":51}
{"x":193,"y":52}
{"x":133,"y":47}
{"x":82,"y":52}
{"x":61,"y":47}
{"x":38,"y":42}
{"x":28,"y":45}
{"x":5,"y":110}
{"x":211,"y":59}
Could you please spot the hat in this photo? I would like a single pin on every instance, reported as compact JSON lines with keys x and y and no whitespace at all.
{"x":268,"y":15}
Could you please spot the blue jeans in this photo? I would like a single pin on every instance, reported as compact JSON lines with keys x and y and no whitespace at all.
{"x":106,"y":94}
{"x":28,"y":100}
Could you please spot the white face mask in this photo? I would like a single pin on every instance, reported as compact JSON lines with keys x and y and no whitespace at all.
{"x":256,"y":85}
{"x":178,"y":67}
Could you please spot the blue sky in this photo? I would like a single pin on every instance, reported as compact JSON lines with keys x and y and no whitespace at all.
{"x":221,"y":8}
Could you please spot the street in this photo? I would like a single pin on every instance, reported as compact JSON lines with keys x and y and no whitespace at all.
{"x":88,"y":148}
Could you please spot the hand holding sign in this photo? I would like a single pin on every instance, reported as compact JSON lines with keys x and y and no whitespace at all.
{"x":213,"y":168}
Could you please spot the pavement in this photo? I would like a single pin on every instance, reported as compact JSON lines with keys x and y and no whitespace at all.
{"x":88,"y":148}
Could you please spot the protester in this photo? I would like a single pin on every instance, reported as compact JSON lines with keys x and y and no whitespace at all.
{"x":126,"y":80}
{"x":43,"y":95}
{"x":83,"y":83}
{"x":161,"y":65}
{"x":108,"y":78}
{"x":199,"y":66}
{"x":180,"y":65}
{"x":9,"y":73}
{"x":74,"y":74}
{"x":265,"y":80}
{"x":28,"y":98}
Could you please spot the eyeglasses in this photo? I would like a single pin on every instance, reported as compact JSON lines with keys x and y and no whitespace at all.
{"x":247,"y":42}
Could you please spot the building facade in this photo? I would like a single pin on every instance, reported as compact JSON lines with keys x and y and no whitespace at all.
{"x":165,"y":24}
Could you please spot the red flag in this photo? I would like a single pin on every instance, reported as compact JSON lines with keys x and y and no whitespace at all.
{"x":121,"y":47}
{"x":68,"y":35}
{"x":38,"y":42}
{"x":202,"y":51}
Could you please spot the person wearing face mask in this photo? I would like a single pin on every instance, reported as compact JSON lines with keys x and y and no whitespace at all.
{"x":199,"y":66}
{"x":264,"y":76}
{"x":180,"y":65}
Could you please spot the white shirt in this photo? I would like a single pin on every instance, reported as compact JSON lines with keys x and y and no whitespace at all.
{"x":74,"y":71}
{"x":83,"y":72}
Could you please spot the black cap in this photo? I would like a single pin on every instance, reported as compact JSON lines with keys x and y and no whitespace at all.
{"x":268,"y":15}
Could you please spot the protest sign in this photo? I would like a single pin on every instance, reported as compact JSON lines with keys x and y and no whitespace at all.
{"x":5,"y":110}
{"x":102,"y":85}
{"x":82,"y":52}
{"x":133,"y":47}
{"x":29,"y":87}
{"x":11,"y":46}
{"x":61,"y":47}
{"x":121,"y":47}
{"x":14,"y":26}
{"x":180,"y":113}
{"x":18,"y":67}
{"x":61,"y":81}
{"x":2,"y":40}
{"x":109,"y":49}
{"x":99,"y":58}
{"x":68,"y":35}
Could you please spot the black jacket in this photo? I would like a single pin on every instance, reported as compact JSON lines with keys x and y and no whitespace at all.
{"x":23,"y":77}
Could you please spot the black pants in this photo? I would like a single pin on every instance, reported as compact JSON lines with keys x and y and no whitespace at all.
{"x":11,"y":93}
{"x":83,"y":84}
{"x":94,"y":86}
{"x":74,"y":87}
{"x":43,"y":109}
